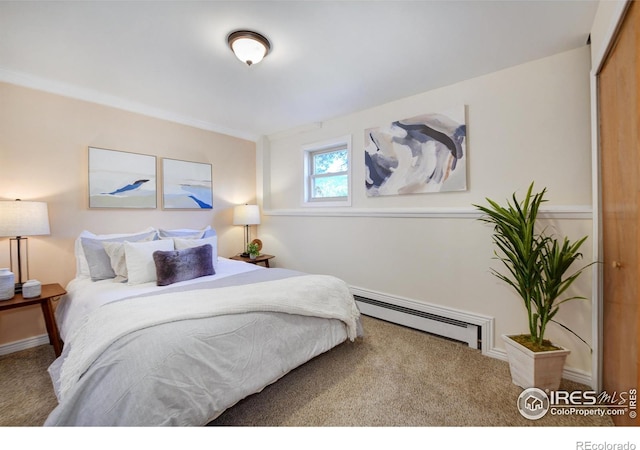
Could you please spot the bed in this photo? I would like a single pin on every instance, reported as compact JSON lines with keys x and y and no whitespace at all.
{"x":144,"y":349}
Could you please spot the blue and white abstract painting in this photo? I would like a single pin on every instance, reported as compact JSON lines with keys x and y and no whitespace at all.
{"x":186,"y":185}
{"x":121,"y":179}
{"x":422,"y":154}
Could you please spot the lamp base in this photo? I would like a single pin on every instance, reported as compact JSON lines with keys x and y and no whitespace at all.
{"x":244,"y":255}
{"x":22,"y":261}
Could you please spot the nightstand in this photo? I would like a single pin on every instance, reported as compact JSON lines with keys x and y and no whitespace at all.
{"x":262,"y":258}
{"x":49,"y":293}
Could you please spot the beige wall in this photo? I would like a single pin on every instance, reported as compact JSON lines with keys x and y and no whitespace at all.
{"x":526,"y":123}
{"x":43,"y":156}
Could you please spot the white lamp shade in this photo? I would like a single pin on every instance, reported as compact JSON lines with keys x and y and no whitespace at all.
{"x":20,"y":218}
{"x":246,"y":215}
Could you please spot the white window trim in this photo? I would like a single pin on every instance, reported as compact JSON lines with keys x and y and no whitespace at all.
{"x":327,"y":145}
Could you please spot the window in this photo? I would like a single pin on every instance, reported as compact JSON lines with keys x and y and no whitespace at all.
{"x":327,"y":169}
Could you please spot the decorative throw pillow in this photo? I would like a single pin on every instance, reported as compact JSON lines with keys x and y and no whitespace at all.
{"x":185,"y":236}
{"x":115,"y":250}
{"x":181,"y":265}
{"x":82,"y":265}
{"x":181,"y":244}
{"x":98,"y":260}
{"x":187,"y":233}
{"x":139,"y":255}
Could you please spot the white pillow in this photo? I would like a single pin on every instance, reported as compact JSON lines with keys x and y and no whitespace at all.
{"x":82,"y":266}
{"x":115,"y":250}
{"x":139,"y":255}
{"x":181,"y":244}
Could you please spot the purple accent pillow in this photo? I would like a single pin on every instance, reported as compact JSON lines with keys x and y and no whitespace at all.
{"x":181,"y":265}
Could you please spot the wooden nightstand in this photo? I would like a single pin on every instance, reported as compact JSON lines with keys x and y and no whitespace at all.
{"x":49,"y":293}
{"x":263,"y":258}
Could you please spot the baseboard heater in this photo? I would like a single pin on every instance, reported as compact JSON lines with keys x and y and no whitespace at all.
{"x":438,"y":324}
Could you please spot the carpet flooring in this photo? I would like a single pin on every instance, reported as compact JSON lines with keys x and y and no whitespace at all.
{"x":392,"y":377}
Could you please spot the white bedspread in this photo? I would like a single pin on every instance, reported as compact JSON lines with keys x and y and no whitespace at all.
{"x":85,"y":296}
{"x":325,"y":296}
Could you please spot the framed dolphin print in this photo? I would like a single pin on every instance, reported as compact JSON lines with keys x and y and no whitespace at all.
{"x":121,"y":179}
{"x":186,"y":185}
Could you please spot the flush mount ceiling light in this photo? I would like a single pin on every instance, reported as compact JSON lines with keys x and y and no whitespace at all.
{"x":250,"y":47}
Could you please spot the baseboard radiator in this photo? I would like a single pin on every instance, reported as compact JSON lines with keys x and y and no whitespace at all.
{"x":474,"y":330}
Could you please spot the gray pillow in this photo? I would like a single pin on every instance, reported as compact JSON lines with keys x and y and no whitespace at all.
{"x":187,"y":233}
{"x":98,"y":259}
{"x":181,"y":265}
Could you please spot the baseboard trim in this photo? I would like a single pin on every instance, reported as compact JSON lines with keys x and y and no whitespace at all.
{"x":24,"y":344}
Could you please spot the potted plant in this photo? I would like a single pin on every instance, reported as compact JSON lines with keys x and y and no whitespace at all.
{"x":253,"y":249}
{"x":537,"y":265}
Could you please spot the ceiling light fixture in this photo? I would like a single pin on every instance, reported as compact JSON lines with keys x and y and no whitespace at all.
{"x":249,"y":47}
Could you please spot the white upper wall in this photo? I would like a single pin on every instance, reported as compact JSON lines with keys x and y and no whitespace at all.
{"x":531,"y":119}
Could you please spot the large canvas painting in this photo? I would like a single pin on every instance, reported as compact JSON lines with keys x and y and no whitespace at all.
{"x":121,"y":180}
{"x":186,"y":185}
{"x":426,"y":153}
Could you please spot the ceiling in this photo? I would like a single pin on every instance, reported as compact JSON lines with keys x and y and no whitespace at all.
{"x":329,"y":58}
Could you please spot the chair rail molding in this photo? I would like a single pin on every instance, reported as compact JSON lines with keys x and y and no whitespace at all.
{"x":580,"y":212}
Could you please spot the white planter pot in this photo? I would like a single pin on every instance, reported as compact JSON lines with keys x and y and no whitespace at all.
{"x":535,"y":369}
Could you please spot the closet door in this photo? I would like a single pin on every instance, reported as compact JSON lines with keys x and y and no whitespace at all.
{"x":619,"y":116}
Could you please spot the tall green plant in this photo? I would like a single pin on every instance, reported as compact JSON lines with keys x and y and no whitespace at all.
{"x":536,"y":262}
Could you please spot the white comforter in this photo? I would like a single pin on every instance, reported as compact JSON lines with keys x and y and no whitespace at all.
{"x":309,"y":295}
{"x":182,"y":356}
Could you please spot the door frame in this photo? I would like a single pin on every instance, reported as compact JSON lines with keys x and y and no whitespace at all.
{"x":597,"y":62}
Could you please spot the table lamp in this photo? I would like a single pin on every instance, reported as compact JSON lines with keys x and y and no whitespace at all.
{"x":18,"y":219}
{"x":246,"y":215}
